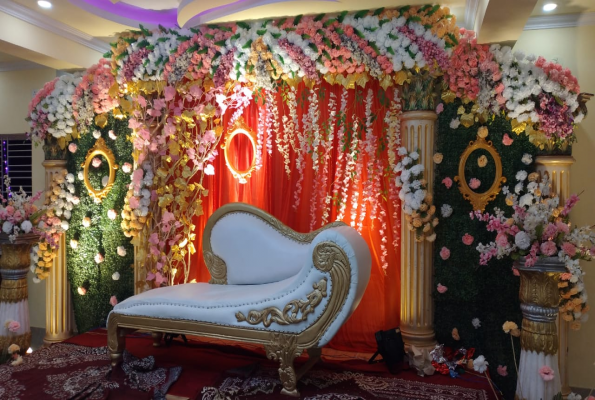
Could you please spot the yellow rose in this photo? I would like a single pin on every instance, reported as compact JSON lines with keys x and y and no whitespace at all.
{"x":423,"y":207}
{"x":417,"y":222}
{"x":567,"y":317}
{"x":438,"y":158}
{"x":429,"y":198}
{"x":508,"y":326}
{"x":575,"y":326}
{"x":427,"y":228}
{"x":482,"y":161}
{"x":482,"y":132}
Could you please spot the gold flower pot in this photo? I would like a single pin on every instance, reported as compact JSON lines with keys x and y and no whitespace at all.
{"x":14,"y":266}
{"x":540,"y":297}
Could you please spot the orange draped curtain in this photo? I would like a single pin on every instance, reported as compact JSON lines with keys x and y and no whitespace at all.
{"x":271,"y":189}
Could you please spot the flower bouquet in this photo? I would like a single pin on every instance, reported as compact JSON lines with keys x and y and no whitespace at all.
{"x":417,"y":202}
{"x":539,"y":228}
{"x":18,"y":213}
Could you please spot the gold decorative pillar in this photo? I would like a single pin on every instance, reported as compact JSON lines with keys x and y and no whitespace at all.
{"x":59,"y":319}
{"x":540,"y":296}
{"x":417,"y":269}
{"x":558,"y":168}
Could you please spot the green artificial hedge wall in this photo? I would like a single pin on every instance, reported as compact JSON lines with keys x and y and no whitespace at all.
{"x":104,"y":235}
{"x":490,"y":292}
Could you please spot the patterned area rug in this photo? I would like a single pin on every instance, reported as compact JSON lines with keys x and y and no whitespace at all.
{"x":320,"y":384}
{"x":69,"y":371}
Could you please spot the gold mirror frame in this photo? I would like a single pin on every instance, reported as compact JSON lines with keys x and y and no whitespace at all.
{"x":240,"y":128}
{"x":100,"y":149}
{"x":480,"y":200}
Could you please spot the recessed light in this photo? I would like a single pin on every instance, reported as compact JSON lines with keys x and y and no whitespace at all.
{"x":44,"y":4}
{"x":549,"y":7}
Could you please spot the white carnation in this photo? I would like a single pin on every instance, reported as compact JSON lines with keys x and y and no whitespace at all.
{"x":26,"y":226}
{"x":522,"y":240}
{"x":121,"y":251}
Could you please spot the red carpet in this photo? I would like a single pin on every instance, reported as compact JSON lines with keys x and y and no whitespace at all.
{"x":216,"y":371}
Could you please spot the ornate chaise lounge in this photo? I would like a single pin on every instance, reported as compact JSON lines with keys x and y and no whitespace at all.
{"x":270,"y":285}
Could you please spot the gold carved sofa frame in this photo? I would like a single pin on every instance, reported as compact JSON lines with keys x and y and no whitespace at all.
{"x":328,"y":257}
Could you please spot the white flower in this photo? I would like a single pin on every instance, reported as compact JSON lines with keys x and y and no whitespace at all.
{"x":480,"y":364}
{"x":111,"y":214}
{"x":7,"y":227}
{"x":70,"y":178}
{"x":121,"y":251}
{"x":127,"y":168}
{"x":402,"y":151}
{"x":81,"y":176}
{"x":527,"y":159}
{"x":446,"y":210}
{"x":26,"y":226}
{"x":454,"y":124}
{"x":574,"y":396}
{"x":64,"y":225}
{"x":521,"y":176}
{"x":104,"y":181}
{"x":476,"y":323}
{"x":526,"y":200}
{"x":116,"y":276}
{"x":522,"y":240}
{"x":414,"y":155}
{"x":112,"y":135}
{"x":99,"y":258}
{"x":96,"y":134}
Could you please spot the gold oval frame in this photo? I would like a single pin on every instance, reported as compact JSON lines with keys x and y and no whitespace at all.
{"x":480,"y":200}
{"x":240,"y":128}
{"x":100,"y":149}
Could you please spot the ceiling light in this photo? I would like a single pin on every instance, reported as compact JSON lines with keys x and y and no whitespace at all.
{"x":44,"y":4}
{"x":549,"y":7}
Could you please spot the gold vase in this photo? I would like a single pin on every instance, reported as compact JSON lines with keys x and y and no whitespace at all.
{"x":14,"y":266}
{"x":540,"y":297}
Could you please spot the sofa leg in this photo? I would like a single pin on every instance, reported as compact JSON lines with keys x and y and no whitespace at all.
{"x":116,"y":340}
{"x":283,"y":348}
{"x":157,"y":336}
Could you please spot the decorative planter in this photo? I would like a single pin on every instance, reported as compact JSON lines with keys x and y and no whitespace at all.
{"x":540,"y":297}
{"x":52,"y":149}
{"x":14,"y":304}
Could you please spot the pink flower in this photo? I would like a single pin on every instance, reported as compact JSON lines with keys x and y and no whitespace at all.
{"x":10,"y":210}
{"x":549,"y":248}
{"x":440,"y":108}
{"x":516,"y":272}
{"x":441,"y":288}
{"x":113,"y":301}
{"x":547,"y":374}
{"x":566,"y":276}
{"x":96,"y":162}
{"x":169,"y":92}
{"x":134,"y":202}
{"x":506,"y":140}
{"x":72,"y":147}
{"x":474,"y":183}
{"x":445,"y":253}
{"x":562,"y":227}
{"x":13,"y":326}
{"x":447,"y":182}
{"x":502,"y":239}
{"x":468,"y":239}
{"x":502,"y":370}
{"x":569,"y":249}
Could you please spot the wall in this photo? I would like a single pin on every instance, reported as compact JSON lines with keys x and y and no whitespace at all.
{"x":572,"y":47}
{"x":16,"y":90}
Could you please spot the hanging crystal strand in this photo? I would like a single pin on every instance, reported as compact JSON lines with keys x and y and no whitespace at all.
{"x":358,"y":170}
{"x":287,"y":140}
{"x":367,"y":147}
{"x":370,"y":147}
{"x":340,"y":171}
{"x":327,"y":144}
{"x":314,"y":113}
{"x":393,"y":122}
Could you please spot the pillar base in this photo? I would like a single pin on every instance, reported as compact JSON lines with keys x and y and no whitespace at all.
{"x":56,"y":338}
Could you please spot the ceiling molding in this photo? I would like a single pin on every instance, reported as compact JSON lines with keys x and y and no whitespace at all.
{"x":19,"y":66}
{"x":560,"y":21}
{"x":44,"y":22}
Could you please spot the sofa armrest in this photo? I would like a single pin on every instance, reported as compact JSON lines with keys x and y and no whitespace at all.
{"x":345,"y":256}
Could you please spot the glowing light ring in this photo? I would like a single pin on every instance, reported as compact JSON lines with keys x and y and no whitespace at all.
{"x":240,"y":129}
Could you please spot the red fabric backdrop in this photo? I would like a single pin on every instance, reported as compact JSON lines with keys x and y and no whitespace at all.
{"x":272,"y":190}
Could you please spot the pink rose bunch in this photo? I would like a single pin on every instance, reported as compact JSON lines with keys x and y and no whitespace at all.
{"x":445,"y":253}
{"x":447,"y":182}
{"x":441,"y":288}
{"x":557,"y":73}
{"x":96,"y":162}
{"x":474,"y":183}
{"x":547,"y":374}
{"x":12,"y":325}
{"x":468,"y":239}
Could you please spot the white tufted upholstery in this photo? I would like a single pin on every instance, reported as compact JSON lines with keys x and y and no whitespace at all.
{"x":264,"y":269}
{"x":254,"y":251}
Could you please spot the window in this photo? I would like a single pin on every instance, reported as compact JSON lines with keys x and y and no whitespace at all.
{"x":16,"y":160}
